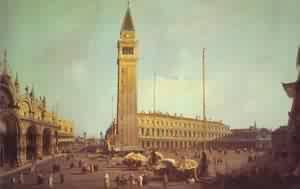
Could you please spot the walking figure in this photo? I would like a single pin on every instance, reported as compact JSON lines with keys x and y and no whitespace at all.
{"x":21,"y":178}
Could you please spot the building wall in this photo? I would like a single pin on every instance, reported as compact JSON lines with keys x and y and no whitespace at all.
{"x":28,"y":129}
{"x":280,"y":142}
{"x":254,"y":138}
{"x":176,"y":132}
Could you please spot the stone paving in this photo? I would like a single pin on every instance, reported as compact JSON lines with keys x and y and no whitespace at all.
{"x":75,"y":179}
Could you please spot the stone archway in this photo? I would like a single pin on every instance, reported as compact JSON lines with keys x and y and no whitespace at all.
{"x":47,"y":141}
{"x":31,"y":141}
{"x":56,"y":138}
{"x":9,"y":139}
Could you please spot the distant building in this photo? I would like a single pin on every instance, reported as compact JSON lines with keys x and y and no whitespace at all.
{"x":252,"y":137}
{"x":280,"y":142}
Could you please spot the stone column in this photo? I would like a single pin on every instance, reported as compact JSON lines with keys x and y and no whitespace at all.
{"x":52,"y":143}
{"x":39,"y":143}
{"x":23,"y":147}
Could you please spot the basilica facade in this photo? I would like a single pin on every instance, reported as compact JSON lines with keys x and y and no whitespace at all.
{"x":152,"y":130}
{"x":28,"y":130}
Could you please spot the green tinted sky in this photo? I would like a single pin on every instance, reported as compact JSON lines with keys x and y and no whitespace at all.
{"x":67,"y":50}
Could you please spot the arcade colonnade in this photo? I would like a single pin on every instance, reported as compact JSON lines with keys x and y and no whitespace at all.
{"x":23,"y":140}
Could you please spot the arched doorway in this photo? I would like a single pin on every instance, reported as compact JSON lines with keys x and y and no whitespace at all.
{"x":46,"y":141}
{"x":56,"y":141}
{"x":31,"y":139}
{"x":9,"y":137}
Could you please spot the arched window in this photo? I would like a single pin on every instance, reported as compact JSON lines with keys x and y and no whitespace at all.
{"x":153,"y":132}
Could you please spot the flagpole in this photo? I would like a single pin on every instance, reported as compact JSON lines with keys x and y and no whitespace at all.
{"x":154,"y":98}
{"x":203,"y":100}
{"x":154,"y":92}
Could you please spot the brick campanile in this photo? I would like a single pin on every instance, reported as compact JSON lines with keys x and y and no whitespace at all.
{"x":127,"y":131}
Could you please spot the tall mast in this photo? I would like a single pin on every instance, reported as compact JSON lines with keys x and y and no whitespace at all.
{"x":203,"y":83}
{"x":203,"y":90}
{"x":154,"y":101}
{"x":154,"y":92}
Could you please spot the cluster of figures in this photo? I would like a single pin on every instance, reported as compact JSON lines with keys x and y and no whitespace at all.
{"x":41,"y":177}
{"x":131,"y":181}
{"x":85,"y":167}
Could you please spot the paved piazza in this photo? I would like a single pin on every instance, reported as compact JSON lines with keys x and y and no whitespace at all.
{"x":75,"y":179}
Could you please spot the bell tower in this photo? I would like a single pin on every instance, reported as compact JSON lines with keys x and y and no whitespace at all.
{"x":127,"y":131}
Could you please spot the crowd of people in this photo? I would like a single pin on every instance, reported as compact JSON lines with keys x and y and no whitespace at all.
{"x":207,"y":160}
{"x":42,"y":176}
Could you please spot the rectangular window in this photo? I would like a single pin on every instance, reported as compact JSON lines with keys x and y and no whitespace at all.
{"x":127,"y":50}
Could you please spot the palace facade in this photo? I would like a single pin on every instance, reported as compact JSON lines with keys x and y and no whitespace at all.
{"x":28,"y":130}
{"x":166,"y":132}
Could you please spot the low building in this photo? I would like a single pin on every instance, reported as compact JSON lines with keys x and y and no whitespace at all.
{"x":250,"y":138}
{"x":280,"y":142}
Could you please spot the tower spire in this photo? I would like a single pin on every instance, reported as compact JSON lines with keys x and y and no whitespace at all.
{"x":5,"y":66}
{"x":17,"y":85}
{"x":127,"y":21}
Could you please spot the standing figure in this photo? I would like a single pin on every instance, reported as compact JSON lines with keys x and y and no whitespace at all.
{"x":165,"y":181}
{"x":131,"y":180}
{"x":106,"y":181}
{"x":62,"y":178}
{"x":118,"y":180}
{"x":50,"y":180}
{"x":21,"y":178}
{"x":33,"y":167}
{"x":80,"y":163}
{"x":13,"y":180}
{"x":91,"y":168}
{"x":204,"y":164}
{"x":141,"y":181}
{"x":145,"y":179}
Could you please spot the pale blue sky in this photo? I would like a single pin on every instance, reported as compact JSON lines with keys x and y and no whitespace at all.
{"x":67,"y":50}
